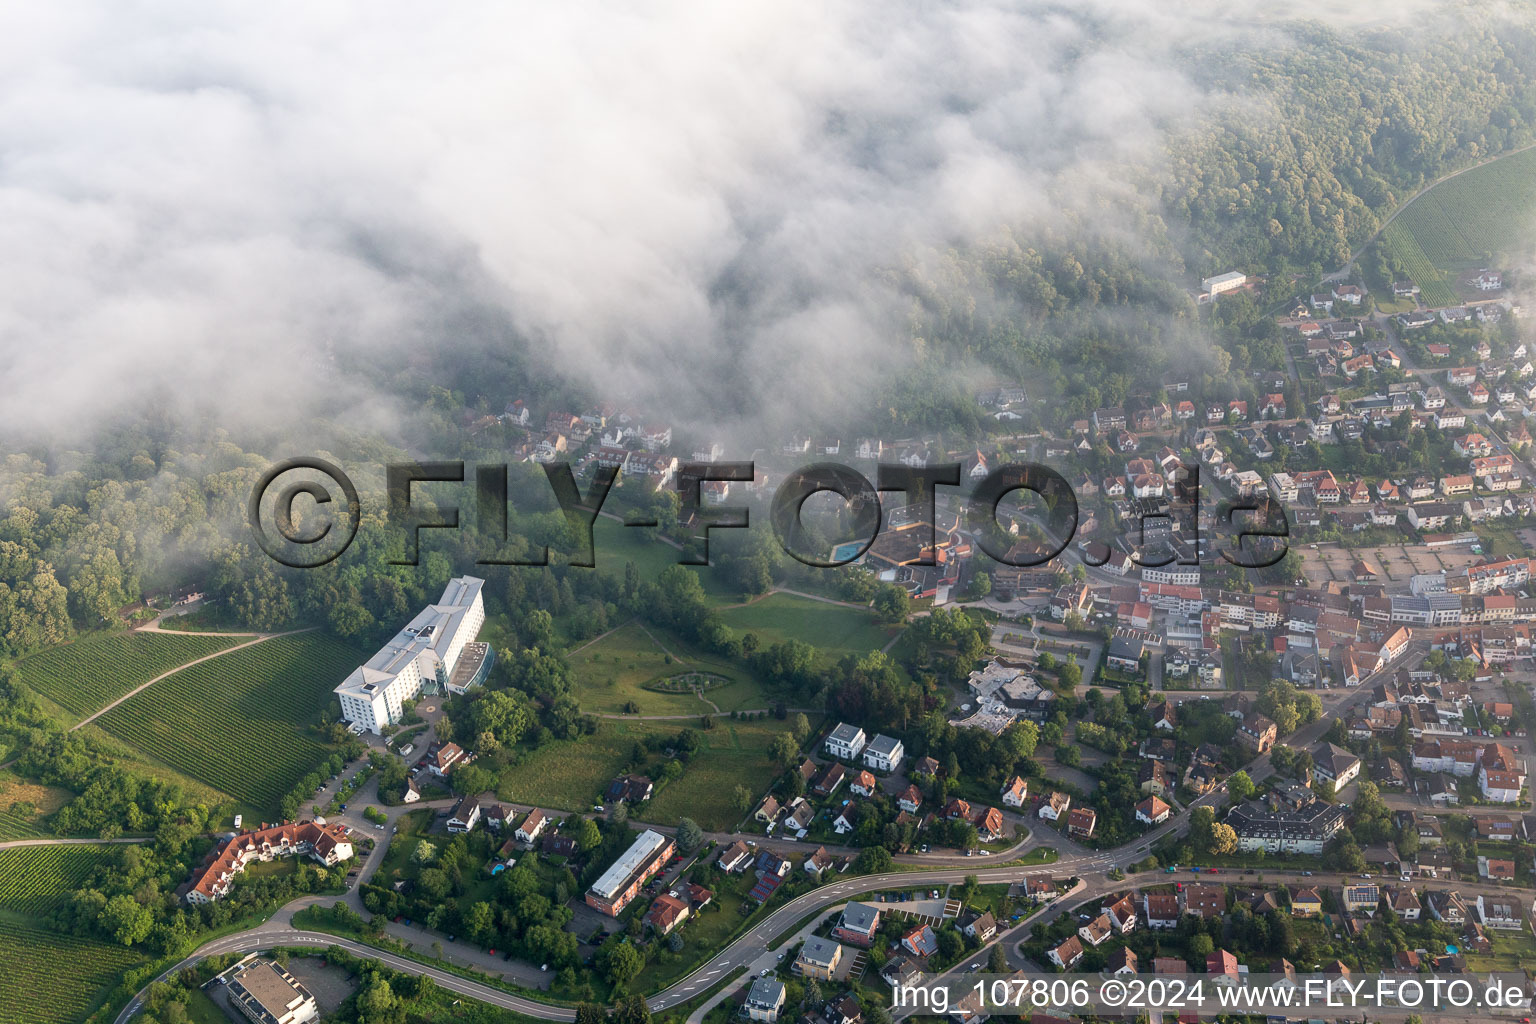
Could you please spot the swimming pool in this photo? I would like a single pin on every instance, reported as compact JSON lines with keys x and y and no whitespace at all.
{"x":844,"y":552}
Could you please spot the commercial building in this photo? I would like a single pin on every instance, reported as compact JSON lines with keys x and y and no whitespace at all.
{"x":267,"y":994}
{"x":611,"y":893}
{"x":436,"y":650}
{"x":1211,"y":287}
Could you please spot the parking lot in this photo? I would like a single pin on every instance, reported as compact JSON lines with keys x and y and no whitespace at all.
{"x":1392,"y":563}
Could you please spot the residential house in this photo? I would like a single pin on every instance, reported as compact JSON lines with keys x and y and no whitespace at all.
{"x":857,"y":925}
{"x":884,"y":753}
{"x":845,"y":742}
{"x":819,"y":958}
{"x":765,"y":999}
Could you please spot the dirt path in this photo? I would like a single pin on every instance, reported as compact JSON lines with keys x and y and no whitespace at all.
{"x":1354,"y":257}
{"x":663,"y":647}
{"x":599,"y":637}
{"x":154,"y":625}
{"x":121,"y":840}
{"x":258,"y":638}
{"x":795,"y":593}
{"x":689,"y":718}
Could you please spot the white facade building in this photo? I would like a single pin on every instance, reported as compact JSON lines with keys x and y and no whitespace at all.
{"x":845,"y":742}
{"x":427,"y":649}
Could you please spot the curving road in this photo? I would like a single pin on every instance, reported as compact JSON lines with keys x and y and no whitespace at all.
{"x":750,"y":949}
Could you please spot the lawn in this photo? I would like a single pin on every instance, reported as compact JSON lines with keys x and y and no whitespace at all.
{"x":85,"y":676}
{"x":833,"y":628}
{"x":1511,"y":952}
{"x":617,"y":545}
{"x":201,"y":1009}
{"x":618,"y":669}
{"x":238,"y":723}
{"x":571,"y":775}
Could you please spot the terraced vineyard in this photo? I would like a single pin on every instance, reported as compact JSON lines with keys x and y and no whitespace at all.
{"x":235,"y":723}
{"x":33,"y":879}
{"x":55,"y":979}
{"x":1486,"y":211}
{"x":1438,"y":232}
{"x":1477,"y":219}
{"x":85,"y":676}
{"x":51,"y":978}
{"x":1434,"y":289}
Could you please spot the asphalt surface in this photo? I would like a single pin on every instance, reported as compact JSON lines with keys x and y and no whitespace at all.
{"x":750,"y":950}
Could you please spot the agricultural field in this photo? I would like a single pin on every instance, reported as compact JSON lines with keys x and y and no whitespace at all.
{"x":1434,"y":288}
{"x":1477,"y":219}
{"x":571,"y":775}
{"x":833,"y":628}
{"x":629,"y":663}
{"x":236,"y":723}
{"x":34,"y":878}
{"x":23,"y":805}
{"x":37,"y":960}
{"x":85,"y":676}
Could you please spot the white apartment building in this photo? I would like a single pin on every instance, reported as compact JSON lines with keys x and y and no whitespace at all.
{"x":428,"y":649}
{"x":845,"y":742}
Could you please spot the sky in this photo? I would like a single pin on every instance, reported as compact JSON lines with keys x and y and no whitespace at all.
{"x":227,"y":209}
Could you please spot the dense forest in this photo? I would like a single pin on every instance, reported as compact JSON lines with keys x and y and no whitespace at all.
{"x":1315,"y":139}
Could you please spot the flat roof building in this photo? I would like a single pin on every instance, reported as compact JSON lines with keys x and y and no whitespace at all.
{"x":612,"y":892}
{"x":267,"y":994}
{"x":423,"y":655}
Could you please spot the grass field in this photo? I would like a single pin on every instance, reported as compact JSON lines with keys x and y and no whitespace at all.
{"x":835,"y":629}
{"x":614,"y":671}
{"x":617,"y":544}
{"x":571,"y":775}
{"x":16,"y":793}
{"x":236,"y":723}
{"x":85,"y":676}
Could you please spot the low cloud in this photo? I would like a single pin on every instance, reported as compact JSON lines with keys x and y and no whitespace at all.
{"x":257,"y":212}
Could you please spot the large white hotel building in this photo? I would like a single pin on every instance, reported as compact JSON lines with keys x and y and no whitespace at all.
{"x":437,"y":647}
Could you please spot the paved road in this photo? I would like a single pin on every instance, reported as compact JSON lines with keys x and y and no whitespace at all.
{"x":750,"y":950}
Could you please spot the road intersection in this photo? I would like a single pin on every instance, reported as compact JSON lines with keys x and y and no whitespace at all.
{"x":751,"y":949}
